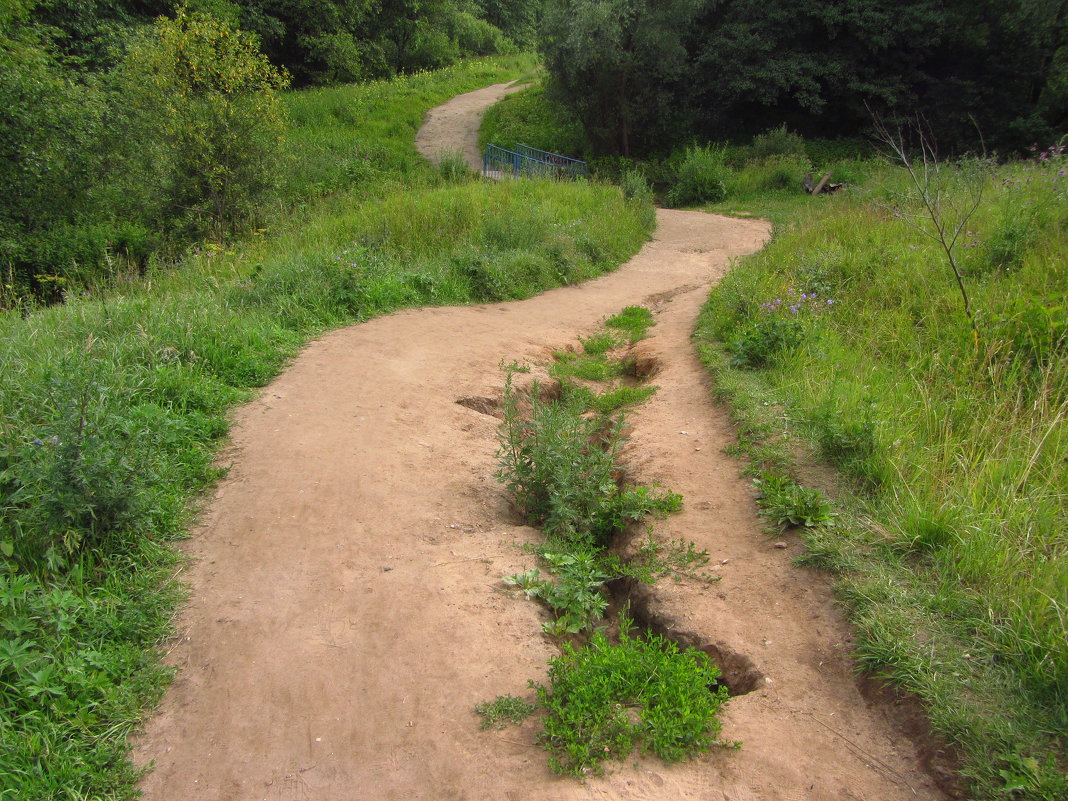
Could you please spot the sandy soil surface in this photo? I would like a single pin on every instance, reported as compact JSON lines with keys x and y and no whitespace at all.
{"x":346,"y":608}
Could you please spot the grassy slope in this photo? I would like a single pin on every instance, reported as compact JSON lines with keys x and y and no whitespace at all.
{"x":951,"y":547}
{"x":112,"y":405}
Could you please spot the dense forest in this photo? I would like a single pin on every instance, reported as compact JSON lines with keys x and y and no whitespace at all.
{"x":645,"y":75}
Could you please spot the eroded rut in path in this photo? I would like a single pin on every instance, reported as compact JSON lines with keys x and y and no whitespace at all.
{"x":346,"y":608}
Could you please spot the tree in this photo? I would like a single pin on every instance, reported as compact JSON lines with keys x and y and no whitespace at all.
{"x":618,"y":64}
{"x":201,"y":122}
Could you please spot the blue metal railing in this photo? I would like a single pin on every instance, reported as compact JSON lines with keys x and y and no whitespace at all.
{"x":530,"y":161}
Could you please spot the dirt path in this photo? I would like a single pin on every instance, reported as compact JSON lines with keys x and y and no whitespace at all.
{"x":346,"y":611}
{"x":453,"y":126}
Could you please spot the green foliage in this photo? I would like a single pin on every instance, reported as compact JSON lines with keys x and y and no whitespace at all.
{"x":560,"y":467}
{"x":202,"y":119}
{"x":647,"y":76}
{"x":760,"y":342}
{"x":606,"y":699}
{"x":576,"y":597}
{"x":702,"y":177}
{"x":504,"y":709}
{"x":786,"y":503}
{"x":634,"y":321}
{"x":530,"y":117}
{"x":776,"y":142}
{"x":614,"y":63}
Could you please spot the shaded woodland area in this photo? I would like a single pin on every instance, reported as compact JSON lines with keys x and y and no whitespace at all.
{"x":645,"y":76}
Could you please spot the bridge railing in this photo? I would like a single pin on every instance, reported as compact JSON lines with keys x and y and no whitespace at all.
{"x":529,"y":161}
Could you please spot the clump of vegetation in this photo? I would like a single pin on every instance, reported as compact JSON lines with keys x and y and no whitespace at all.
{"x":560,"y":469}
{"x":606,"y":699}
{"x":786,"y":503}
{"x":634,"y":321}
{"x":603,"y":699}
{"x":503,"y":710}
{"x":702,"y":177}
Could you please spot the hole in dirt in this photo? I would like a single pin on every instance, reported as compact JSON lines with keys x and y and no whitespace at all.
{"x":482,"y":405}
{"x":641,"y":363}
{"x":738,"y":673}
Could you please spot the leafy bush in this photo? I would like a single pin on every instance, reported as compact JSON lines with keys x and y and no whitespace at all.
{"x":576,"y":597}
{"x":560,"y":469}
{"x":605,"y":700}
{"x":702,"y":177}
{"x":777,"y":142}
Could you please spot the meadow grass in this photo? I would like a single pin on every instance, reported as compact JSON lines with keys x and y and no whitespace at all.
{"x":951,"y":549}
{"x":114,"y":402}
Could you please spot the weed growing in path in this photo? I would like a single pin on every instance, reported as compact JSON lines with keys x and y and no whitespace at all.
{"x":606,"y":699}
{"x":504,"y":709}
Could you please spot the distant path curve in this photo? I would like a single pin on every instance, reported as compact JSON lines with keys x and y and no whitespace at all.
{"x":346,"y":611}
{"x":453,"y":126}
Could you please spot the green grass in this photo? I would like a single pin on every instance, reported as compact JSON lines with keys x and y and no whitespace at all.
{"x":528,"y":117}
{"x":951,"y":547}
{"x":114,"y":403}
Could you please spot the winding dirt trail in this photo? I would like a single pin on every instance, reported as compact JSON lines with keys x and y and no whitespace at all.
{"x":346,"y":609}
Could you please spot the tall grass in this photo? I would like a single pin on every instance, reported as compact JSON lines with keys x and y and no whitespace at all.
{"x":114,"y":402}
{"x":955,"y":563}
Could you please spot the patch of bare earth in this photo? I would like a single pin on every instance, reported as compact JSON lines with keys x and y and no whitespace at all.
{"x":346,"y":609}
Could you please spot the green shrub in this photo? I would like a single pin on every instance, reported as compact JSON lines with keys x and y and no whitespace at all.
{"x":453,"y":168}
{"x":605,"y":700}
{"x":777,"y":142}
{"x":702,"y":177}
{"x":560,"y":469}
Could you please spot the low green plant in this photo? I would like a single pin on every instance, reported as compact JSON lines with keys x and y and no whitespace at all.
{"x":503,"y":710}
{"x":576,"y":596}
{"x":606,"y":699}
{"x":677,"y":558}
{"x":560,"y":469}
{"x":634,"y":321}
{"x":776,"y":142}
{"x":786,"y":503}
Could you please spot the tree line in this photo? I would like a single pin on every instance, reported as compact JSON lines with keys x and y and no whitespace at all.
{"x":645,"y":75}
